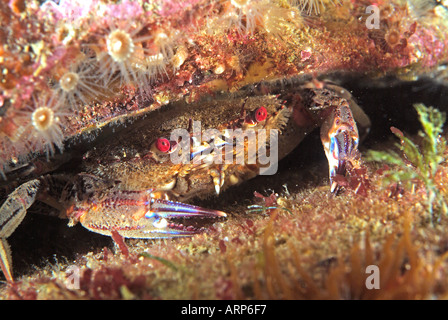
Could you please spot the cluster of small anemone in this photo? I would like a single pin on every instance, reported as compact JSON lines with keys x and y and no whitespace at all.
{"x":112,"y":57}
{"x":119,"y":52}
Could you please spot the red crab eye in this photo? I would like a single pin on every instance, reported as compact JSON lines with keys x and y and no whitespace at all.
{"x":261,"y":114}
{"x":163,"y":145}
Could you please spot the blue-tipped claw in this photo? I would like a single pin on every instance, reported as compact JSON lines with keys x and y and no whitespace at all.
{"x":163,"y":211}
{"x":340,"y":139}
{"x":343,"y":146}
{"x":173,"y":209}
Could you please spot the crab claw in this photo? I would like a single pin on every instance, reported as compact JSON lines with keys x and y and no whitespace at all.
{"x":163,"y":211}
{"x":340,"y":138}
{"x":173,"y":209}
{"x":137,"y":214}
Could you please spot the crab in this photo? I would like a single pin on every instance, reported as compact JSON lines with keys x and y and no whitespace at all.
{"x":131,"y":186}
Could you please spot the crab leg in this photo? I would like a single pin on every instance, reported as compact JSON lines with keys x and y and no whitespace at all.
{"x":138,"y":214}
{"x":12,"y":212}
{"x":333,"y":109}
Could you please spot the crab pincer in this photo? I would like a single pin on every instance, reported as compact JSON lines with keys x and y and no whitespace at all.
{"x":340,"y":138}
{"x":334,"y":110}
{"x":163,"y":212}
{"x":138,"y":214}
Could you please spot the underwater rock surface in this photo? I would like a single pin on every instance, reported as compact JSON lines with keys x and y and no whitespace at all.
{"x":75,"y":76}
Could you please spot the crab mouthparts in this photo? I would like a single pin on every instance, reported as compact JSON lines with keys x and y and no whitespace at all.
{"x":164,"y":211}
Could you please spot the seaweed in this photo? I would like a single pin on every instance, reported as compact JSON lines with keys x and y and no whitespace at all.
{"x":418,"y":161}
